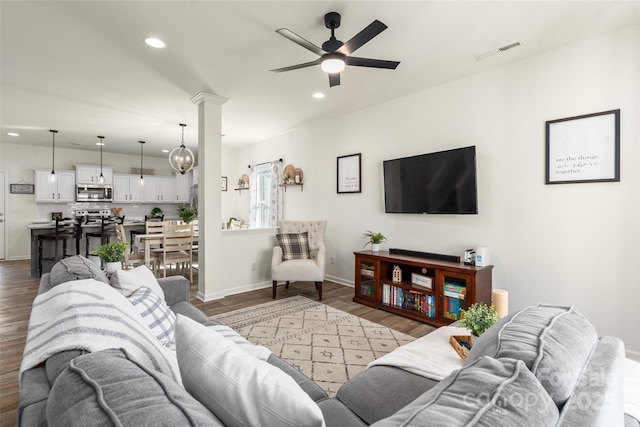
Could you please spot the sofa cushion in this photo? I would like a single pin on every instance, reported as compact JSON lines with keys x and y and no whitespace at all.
{"x":238,"y":388}
{"x":380,"y":391}
{"x":554,"y":342}
{"x":129,"y":281}
{"x":76,"y":267}
{"x":294,"y":245}
{"x":488,"y":392}
{"x":155,"y":313}
{"x":110,"y":388}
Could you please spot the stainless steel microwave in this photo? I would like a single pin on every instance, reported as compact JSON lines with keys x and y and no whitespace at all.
{"x":94,"y":193}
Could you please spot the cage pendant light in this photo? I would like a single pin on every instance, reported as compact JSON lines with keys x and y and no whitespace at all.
{"x":181,"y":158}
{"x":101,"y":177}
{"x":52,"y":175}
{"x":141,"y":177}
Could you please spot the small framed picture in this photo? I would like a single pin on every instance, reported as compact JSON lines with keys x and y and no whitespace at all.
{"x":223,"y":183}
{"x":349,"y":170}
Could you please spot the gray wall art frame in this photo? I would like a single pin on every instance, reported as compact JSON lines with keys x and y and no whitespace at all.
{"x":583,"y":149}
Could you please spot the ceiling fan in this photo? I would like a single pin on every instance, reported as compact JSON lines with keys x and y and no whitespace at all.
{"x":334,"y":54}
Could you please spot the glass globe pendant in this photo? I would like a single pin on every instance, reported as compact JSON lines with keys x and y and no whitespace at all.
{"x":181,"y":158}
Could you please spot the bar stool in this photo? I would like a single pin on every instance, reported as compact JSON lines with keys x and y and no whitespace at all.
{"x":147,"y":218}
{"x":107,"y":230}
{"x":65,"y":229}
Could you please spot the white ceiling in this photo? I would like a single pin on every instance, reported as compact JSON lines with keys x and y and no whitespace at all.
{"x":81,"y":67}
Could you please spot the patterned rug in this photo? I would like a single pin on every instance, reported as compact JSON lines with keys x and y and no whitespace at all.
{"x":326,"y":344}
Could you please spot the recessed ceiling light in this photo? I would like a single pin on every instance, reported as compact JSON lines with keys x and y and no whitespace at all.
{"x":99,"y":143}
{"x":13,"y":134}
{"x":318,"y":95}
{"x":154,"y":42}
{"x":165,"y":151}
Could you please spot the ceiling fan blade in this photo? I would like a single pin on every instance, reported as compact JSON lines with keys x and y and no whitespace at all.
{"x":369,"y":32}
{"x":301,"y":41}
{"x":334,"y":79}
{"x":296,"y":67}
{"x":374,"y":63}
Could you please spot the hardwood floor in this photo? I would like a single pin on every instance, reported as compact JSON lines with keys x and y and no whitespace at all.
{"x":18,"y":289}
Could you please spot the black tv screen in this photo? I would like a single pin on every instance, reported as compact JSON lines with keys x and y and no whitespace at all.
{"x":433,"y":183}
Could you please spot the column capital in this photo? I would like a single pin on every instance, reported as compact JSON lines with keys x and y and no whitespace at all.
{"x":201,"y":97}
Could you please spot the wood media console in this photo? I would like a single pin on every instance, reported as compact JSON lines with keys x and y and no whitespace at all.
{"x":427,"y":290}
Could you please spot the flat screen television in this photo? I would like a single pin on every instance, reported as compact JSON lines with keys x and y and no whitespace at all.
{"x":433,"y":183}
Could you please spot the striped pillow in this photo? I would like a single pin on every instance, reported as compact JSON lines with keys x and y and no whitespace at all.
{"x":156,"y":314}
{"x":294,"y":245}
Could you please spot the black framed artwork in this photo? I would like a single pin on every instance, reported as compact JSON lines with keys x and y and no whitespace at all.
{"x":348,"y":175}
{"x":583,"y":148}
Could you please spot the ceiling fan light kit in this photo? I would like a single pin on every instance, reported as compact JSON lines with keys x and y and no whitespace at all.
{"x":336,"y":55}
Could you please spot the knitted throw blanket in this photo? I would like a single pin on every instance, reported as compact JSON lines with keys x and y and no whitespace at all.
{"x":92,"y":316}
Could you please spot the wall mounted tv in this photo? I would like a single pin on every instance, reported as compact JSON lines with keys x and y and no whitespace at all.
{"x":433,"y":183}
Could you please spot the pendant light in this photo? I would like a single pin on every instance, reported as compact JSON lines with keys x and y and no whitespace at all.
{"x":141,"y":177}
{"x":52,"y":175}
{"x":181,"y":158}
{"x":101,"y":177}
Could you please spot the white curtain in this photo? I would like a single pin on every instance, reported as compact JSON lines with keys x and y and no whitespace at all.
{"x":265,"y":195}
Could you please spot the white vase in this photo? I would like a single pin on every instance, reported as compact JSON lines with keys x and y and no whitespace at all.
{"x":111,"y":267}
{"x":375,"y":247}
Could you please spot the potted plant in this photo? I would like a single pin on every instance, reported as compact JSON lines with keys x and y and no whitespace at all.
{"x":478,"y":318}
{"x":187,"y":213}
{"x":111,"y":255}
{"x":374,"y":239}
{"x":156,"y":211}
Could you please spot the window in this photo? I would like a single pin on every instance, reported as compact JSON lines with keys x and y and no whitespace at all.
{"x":266,"y":195}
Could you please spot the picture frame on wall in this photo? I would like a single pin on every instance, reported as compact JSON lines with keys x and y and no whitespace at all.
{"x":223,"y":183}
{"x":583,"y":148}
{"x":349,"y":173}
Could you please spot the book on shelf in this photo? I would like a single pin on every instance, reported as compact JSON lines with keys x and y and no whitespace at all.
{"x":366,"y":273}
{"x":454,"y":291}
{"x":408,"y":299}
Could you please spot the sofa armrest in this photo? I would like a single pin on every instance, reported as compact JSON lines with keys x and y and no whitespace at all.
{"x":175,"y":288}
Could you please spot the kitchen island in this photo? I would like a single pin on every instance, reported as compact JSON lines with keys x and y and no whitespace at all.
{"x":38,"y":228}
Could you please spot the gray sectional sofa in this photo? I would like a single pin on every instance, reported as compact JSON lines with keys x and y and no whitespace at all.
{"x":542,"y":366}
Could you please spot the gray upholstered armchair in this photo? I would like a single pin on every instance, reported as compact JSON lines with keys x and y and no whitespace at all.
{"x":294,"y":262}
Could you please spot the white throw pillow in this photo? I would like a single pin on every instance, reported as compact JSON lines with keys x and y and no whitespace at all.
{"x":129,"y":281}
{"x":238,"y":388}
{"x":156,"y":314}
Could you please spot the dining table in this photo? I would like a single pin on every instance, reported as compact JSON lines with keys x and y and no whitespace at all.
{"x":147,"y":240}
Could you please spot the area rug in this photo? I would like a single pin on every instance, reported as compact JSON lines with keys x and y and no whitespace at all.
{"x":328,"y":345}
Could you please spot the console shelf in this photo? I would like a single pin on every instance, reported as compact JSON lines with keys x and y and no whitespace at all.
{"x":430,"y":291}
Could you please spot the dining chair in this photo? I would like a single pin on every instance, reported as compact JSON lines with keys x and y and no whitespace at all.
{"x":130,"y":258}
{"x":147,"y":218}
{"x":177,"y":248}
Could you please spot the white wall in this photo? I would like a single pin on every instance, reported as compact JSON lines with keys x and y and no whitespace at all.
{"x":565,"y":244}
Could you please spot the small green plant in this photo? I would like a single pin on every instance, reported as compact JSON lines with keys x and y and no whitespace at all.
{"x":111,"y":252}
{"x":478,"y":318}
{"x":374,"y":238}
{"x":156,"y":211}
{"x":187,"y":213}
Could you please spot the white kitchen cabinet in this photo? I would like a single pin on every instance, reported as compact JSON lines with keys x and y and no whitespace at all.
{"x":182,"y":188}
{"x":159,"y":189}
{"x":127,"y":188}
{"x":62,"y":190}
{"x":90,"y":174}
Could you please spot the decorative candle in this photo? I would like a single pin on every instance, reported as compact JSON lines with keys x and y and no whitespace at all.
{"x":500,"y":299}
